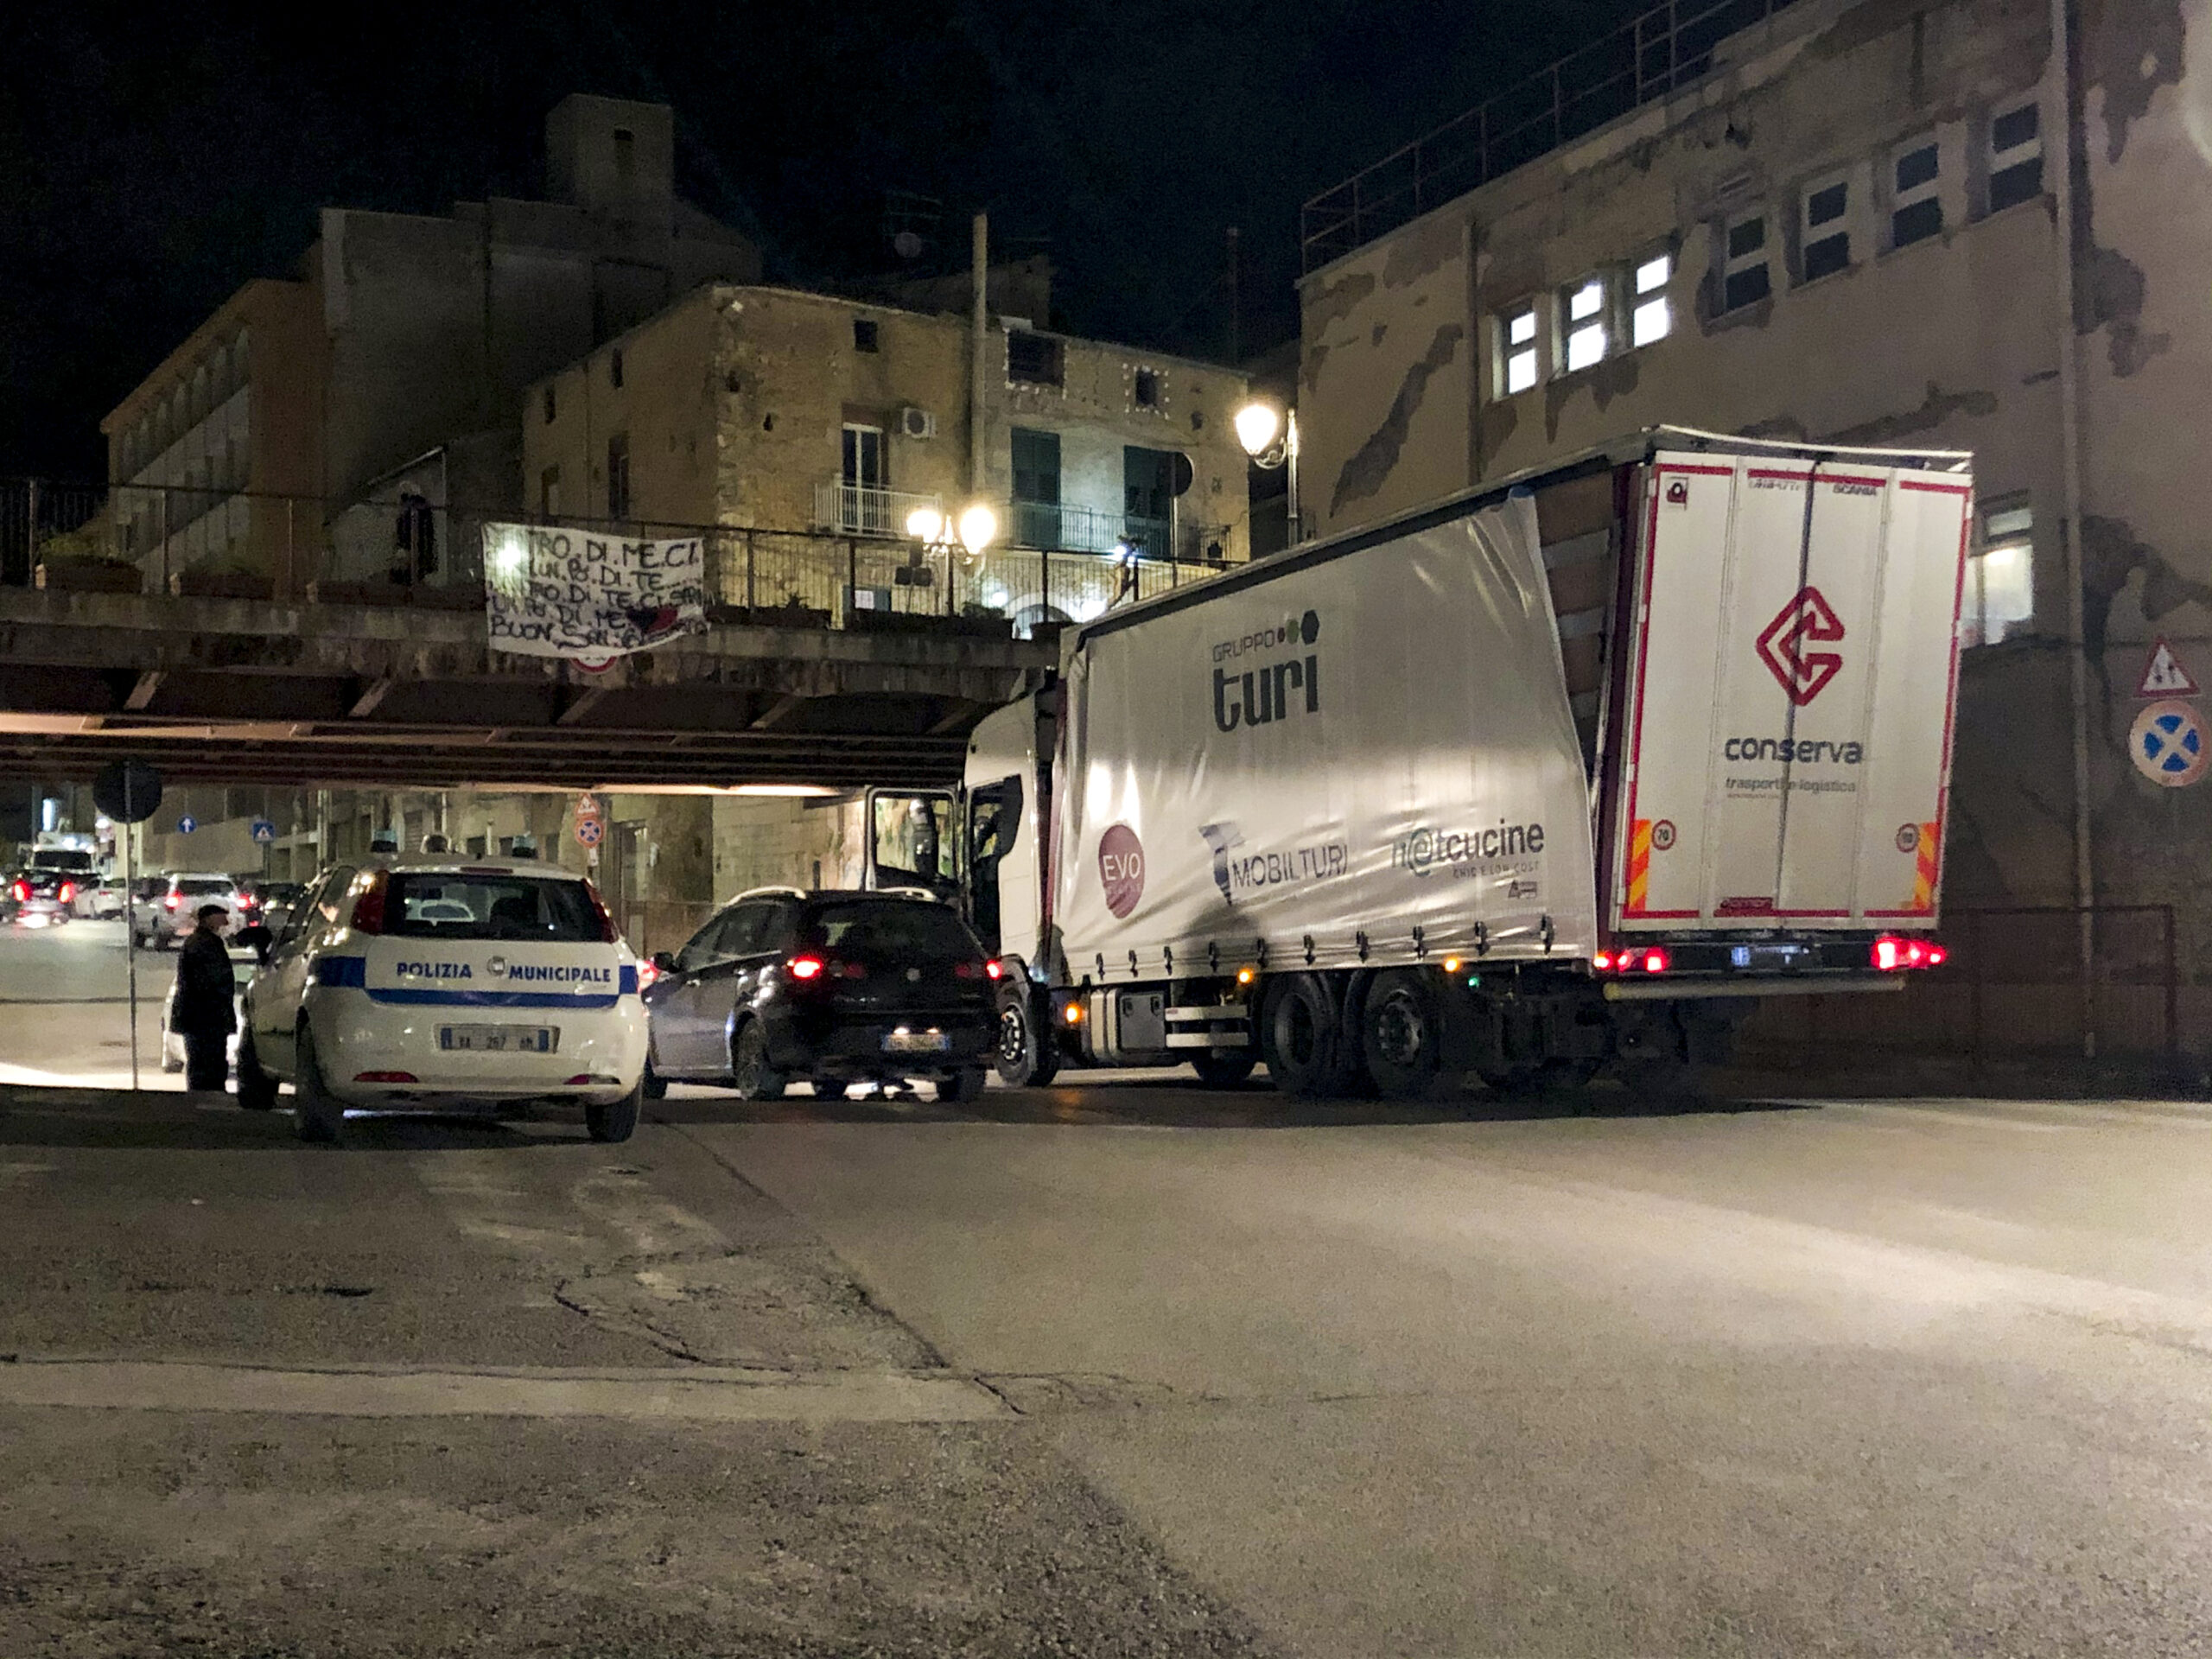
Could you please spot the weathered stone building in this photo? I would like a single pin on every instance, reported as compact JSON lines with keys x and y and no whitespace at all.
{"x":784,"y":410}
{"x":403,"y":333}
{"x":1879,"y":222}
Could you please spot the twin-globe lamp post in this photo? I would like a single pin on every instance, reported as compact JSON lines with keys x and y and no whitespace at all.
{"x":976,"y":529}
{"x":1269,"y":435}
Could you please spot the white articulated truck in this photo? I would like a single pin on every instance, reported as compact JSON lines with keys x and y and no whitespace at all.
{"x":1563,"y":774}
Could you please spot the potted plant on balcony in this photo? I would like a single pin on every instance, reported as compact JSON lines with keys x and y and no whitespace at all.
{"x":79,"y":562}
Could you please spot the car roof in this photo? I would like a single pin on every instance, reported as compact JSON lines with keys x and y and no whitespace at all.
{"x":450,"y":864}
{"x":202,"y":875}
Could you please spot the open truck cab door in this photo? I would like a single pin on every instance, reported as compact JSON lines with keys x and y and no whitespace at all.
{"x":913,"y":841}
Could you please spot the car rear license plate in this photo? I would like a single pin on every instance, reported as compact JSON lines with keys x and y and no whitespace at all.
{"x":500,"y":1040}
{"x":916,"y":1042}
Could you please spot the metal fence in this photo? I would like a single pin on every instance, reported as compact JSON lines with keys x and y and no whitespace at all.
{"x":1655,"y":54}
{"x":2012,"y":991}
{"x":196,"y":542}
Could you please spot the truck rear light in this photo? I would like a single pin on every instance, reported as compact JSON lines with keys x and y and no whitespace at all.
{"x":1644,"y":959}
{"x":805,"y":967}
{"x":385,"y":1077}
{"x":368,"y":909}
{"x":1893,"y":953}
{"x":1072,"y":1013}
{"x":1603,"y":962}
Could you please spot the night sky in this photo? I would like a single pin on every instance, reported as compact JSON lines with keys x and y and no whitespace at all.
{"x":153,"y":159}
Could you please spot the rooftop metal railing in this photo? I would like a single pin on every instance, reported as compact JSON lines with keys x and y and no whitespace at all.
{"x":1655,"y":54}
{"x":191,"y":542}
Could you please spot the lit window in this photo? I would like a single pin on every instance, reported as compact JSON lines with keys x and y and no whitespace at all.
{"x":1917,"y":210}
{"x":1520,"y":332}
{"x":1652,"y":318}
{"x":1828,"y":229}
{"x":1585,"y":323}
{"x":1744,"y":280}
{"x":2000,"y":590}
{"x":2015,"y":157}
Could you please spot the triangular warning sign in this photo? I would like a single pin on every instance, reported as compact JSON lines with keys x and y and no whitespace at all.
{"x":2163,"y":676}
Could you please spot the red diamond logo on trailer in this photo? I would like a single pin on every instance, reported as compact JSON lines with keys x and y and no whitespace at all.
{"x":1804,"y":674}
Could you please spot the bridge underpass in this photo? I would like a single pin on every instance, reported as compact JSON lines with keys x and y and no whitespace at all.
{"x":244,"y":691}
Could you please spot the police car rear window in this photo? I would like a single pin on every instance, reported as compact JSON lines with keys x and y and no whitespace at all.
{"x":490,"y":907}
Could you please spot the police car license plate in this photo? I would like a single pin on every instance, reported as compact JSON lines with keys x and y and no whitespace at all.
{"x":916,"y":1042}
{"x":500,"y":1040}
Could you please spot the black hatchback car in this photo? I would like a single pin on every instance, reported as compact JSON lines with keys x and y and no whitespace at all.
{"x":831,"y":988}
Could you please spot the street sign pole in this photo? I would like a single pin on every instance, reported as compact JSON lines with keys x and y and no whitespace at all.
{"x":130,"y":940}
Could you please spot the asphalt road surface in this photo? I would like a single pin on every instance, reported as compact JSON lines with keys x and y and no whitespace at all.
{"x":1105,"y":1368}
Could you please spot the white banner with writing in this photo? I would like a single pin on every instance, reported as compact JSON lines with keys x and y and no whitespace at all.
{"x":555,"y":592}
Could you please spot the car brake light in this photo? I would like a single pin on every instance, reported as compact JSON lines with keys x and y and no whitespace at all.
{"x":804,"y":966}
{"x":68,"y":891}
{"x":994,"y":968}
{"x":608,"y":931}
{"x":23,"y":891}
{"x":368,"y":909}
{"x":170,"y":901}
{"x":648,"y":973}
{"x":385,"y":1077}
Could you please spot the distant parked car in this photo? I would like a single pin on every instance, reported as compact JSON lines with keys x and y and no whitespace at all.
{"x":103,"y":899}
{"x":278,"y":900}
{"x":830,"y":988}
{"x":176,"y":912}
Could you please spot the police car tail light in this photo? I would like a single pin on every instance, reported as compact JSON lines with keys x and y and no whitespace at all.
{"x":368,"y":909}
{"x":607,"y":931}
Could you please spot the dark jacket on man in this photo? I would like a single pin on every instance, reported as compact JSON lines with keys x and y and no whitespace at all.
{"x":207,"y":987}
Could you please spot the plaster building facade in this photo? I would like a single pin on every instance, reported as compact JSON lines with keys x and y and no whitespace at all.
{"x":403,"y":333}
{"x":1869,"y":223}
{"x":767,"y":408}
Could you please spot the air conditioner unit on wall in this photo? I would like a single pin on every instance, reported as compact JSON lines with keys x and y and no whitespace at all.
{"x":917,"y":422}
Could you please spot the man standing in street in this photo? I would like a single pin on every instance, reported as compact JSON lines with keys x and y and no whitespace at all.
{"x":206,"y":1002}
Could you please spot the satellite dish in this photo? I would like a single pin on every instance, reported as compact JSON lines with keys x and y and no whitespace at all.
{"x":907,"y":246}
{"x":1185,"y":474}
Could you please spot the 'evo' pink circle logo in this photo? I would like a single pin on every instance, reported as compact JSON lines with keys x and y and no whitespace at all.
{"x":1121,"y":867}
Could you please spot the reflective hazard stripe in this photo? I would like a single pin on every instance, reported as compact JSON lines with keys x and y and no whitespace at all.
{"x":1639,"y":865}
{"x":1924,"y":880}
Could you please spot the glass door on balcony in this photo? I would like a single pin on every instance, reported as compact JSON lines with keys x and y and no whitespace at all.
{"x":1036,"y":488}
{"x":1148,"y":496}
{"x":863,"y":503}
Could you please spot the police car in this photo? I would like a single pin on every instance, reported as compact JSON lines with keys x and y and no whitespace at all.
{"x":438,"y":983}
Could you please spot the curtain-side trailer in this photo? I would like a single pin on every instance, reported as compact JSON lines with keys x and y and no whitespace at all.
{"x":1560,"y":775}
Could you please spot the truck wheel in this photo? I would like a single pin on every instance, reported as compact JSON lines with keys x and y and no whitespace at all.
{"x":1300,"y":1038}
{"x":1401,"y":1035}
{"x":1224,"y":1071}
{"x":256,"y":1089}
{"x":617,"y":1120}
{"x":753,"y":1077}
{"x":1026,"y":1059}
{"x":316,"y":1116}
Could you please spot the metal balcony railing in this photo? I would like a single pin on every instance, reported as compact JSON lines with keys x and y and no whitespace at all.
{"x":864,"y":510}
{"x":1652,"y":56}
{"x":306,"y":550}
{"x":1086,"y":530}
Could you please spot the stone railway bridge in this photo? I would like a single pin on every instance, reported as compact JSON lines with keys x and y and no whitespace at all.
{"x":244,"y":692}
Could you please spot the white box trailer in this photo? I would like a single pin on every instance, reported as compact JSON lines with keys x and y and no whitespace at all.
{"x":1560,"y":775}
